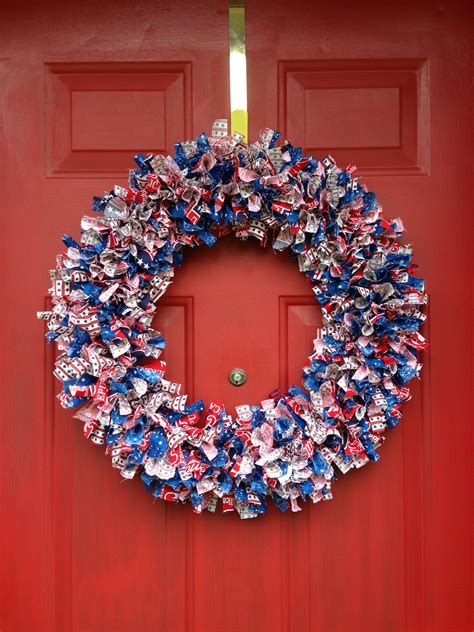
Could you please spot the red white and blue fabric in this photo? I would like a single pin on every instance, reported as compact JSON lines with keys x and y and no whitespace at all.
{"x":289,"y":447}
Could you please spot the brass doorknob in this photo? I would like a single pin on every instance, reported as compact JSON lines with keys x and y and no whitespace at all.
{"x":237,"y":377}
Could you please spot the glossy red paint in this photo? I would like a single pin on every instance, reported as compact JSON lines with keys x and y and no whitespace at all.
{"x":84,"y":87}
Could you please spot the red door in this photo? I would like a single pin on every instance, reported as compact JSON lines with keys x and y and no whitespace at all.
{"x":386,"y":86}
{"x":84,"y":88}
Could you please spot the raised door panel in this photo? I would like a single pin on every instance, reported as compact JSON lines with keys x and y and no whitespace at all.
{"x":100,"y":115}
{"x":115,"y":529}
{"x":300,"y":322}
{"x":373,"y":113}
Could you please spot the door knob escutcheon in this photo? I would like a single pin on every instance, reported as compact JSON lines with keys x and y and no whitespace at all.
{"x":237,"y":377}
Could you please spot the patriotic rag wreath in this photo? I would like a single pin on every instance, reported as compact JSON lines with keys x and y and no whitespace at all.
{"x":286,"y":448}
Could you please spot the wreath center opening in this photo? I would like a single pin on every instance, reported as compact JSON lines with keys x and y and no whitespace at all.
{"x":237,"y":305}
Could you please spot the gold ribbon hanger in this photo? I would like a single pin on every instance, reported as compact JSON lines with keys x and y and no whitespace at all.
{"x":238,"y":69}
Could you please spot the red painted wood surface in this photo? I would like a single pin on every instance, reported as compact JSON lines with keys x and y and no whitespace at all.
{"x":387,"y":88}
{"x":83,"y":88}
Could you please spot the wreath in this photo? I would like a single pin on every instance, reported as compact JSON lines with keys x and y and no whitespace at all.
{"x":287,"y":448}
